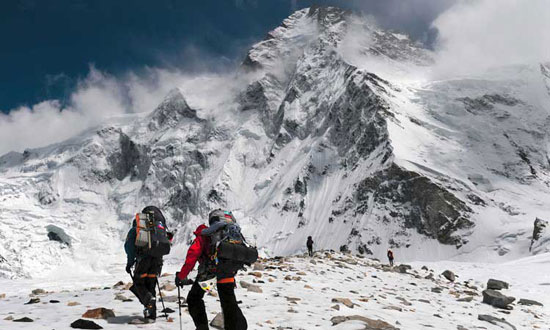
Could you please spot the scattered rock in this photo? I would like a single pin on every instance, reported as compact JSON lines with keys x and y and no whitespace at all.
{"x":529,"y":302}
{"x":370,"y":323}
{"x":38,"y":291}
{"x":394,"y":308}
{"x":73,"y":303}
{"x":497,"y":299}
{"x":168,"y":287}
{"x":466,"y":299}
{"x":258,"y":266}
{"x":120,"y":296}
{"x":251,"y":287}
{"x":424,"y":268}
{"x":344,"y":301}
{"x":167,"y":310}
{"x":496,"y":284}
{"x":437,"y":289}
{"x":53,"y":301}
{"x":8,"y":318}
{"x":99,"y":313}
{"x":217,"y":322}
{"x":2,"y":296}
{"x":336,"y":307}
{"x":24,"y":319}
{"x":494,"y":320}
{"x":403,"y":268}
{"x":449,"y":275}
{"x":33,"y":301}
{"x":85,"y":324}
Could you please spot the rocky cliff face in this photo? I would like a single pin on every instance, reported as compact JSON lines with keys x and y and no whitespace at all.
{"x":313,"y":144}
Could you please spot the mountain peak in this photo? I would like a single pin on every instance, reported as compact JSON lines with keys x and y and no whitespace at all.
{"x":172,"y":109}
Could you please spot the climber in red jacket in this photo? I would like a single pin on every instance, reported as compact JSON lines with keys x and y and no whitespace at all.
{"x":200,"y":251}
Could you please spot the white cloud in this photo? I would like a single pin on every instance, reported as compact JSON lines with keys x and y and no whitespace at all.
{"x":100,"y":96}
{"x":475,"y":35}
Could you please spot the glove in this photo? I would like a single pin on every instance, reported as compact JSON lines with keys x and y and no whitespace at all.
{"x":129,"y":268}
{"x":181,"y":283}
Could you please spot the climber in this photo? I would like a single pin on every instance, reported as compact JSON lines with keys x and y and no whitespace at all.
{"x":218,"y":262}
{"x":146,"y":243}
{"x":309,"y":245}
{"x":390,"y":257}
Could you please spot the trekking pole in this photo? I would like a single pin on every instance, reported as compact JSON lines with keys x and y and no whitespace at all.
{"x":162,"y":300}
{"x":179,"y":305}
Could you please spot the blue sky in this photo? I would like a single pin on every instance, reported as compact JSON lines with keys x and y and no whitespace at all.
{"x":47,"y":46}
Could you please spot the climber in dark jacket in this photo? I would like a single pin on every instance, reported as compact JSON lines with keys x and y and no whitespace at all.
{"x":309,"y":245}
{"x":147,"y":268}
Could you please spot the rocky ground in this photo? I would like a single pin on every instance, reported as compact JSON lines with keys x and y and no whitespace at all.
{"x":328,"y":291}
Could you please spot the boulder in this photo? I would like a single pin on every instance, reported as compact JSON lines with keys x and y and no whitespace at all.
{"x":449,"y":275}
{"x":85,"y":324}
{"x":403,"y":268}
{"x":38,"y":291}
{"x":495,"y":320}
{"x":2,"y":296}
{"x":251,"y":287}
{"x":529,"y":302}
{"x":217,"y":322}
{"x":497,"y":299}
{"x":33,"y":301}
{"x":540,"y":241}
{"x":497,"y":284}
{"x":168,"y":287}
{"x":24,"y":319}
{"x":344,"y":301}
{"x":369,"y":323}
{"x":99,"y":313}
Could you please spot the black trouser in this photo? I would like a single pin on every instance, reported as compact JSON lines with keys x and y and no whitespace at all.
{"x":310,"y":250}
{"x":391,"y":261}
{"x":145,"y":280}
{"x":232,"y":315}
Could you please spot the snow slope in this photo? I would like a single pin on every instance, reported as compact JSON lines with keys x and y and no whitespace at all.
{"x":331,"y":128}
{"x":298,"y":293}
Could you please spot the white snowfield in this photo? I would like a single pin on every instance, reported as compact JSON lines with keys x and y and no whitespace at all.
{"x":305,"y":293}
{"x":333,"y":129}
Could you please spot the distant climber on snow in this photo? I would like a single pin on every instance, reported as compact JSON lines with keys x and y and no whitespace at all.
{"x":221,"y":251}
{"x":309,"y":245}
{"x":146,"y":243}
{"x":390,"y":257}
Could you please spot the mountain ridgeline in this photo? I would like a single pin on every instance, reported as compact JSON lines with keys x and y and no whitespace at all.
{"x":313,"y":143}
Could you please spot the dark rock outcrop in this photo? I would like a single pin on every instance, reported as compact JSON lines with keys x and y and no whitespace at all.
{"x":540,"y":227}
{"x":449,"y":275}
{"x":497,"y":299}
{"x":497,"y":284}
{"x":418,"y":202}
{"x":85,"y":324}
{"x":131,"y":159}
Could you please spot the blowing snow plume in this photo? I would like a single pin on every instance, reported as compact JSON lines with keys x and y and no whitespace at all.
{"x":483,"y":34}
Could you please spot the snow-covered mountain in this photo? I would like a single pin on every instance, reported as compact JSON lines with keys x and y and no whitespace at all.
{"x":331,"y":128}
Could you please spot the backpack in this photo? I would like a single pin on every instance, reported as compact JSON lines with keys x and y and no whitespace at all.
{"x":229,"y":251}
{"x":151,"y":235}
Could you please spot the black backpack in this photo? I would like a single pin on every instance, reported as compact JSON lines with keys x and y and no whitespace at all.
{"x":151,"y":235}
{"x":229,"y":251}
